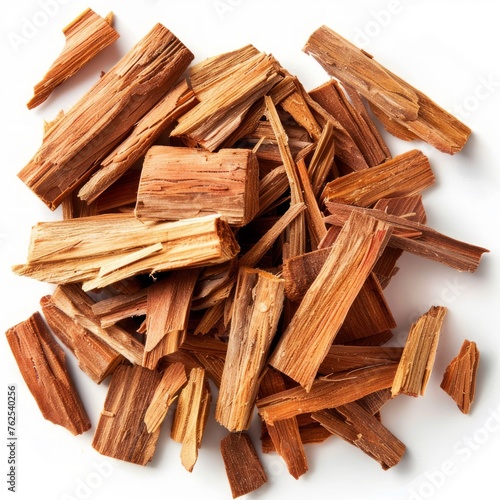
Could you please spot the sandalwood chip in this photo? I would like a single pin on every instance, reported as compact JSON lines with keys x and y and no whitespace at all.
{"x":42,"y":364}
{"x":459,"y":379}
{"x":243,"y":468}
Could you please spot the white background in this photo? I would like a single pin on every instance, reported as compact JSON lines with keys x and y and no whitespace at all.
{"x":449,"y":50}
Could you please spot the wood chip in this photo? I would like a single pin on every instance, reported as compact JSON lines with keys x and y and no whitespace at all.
{"x":86,"y":36}
{"x":191,"y":417}
{"x":459,"y":379}
{"x":178,"y":183}
{"x":417,"y":360}
{"x":121,"y":432}
{"x":257,"y":309}
{"x":42,"y":364}
{"x":398,"y":101}
{"x":326,"y":304}
{"x":243,"y":468}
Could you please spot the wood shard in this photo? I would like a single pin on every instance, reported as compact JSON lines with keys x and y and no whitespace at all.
{"x":121,"y":432}
{"x":76,"y":304}
{"x":359,"y":427}
{"x":405,"y":175}
{"x":104,"y":115}
{"x":321,"y":313}
{"x":191,"y":417}
{"x":42,"y":364}
{"x":285,"y":434}
{"x":459,"y":379}
{"x":398,"y":101}
{"x":167,"y":313}
{"x":243,"y":467}
{"x":106,"y":248}
{"x":417,"y":360}
{"x":172,"y":380}
{"x":257,"y":309}
{"x":416,"y":238}
{"x":334,"y":391}
{"x":96,"y":358}
{"x":178,"y":183}
{"x":86,"y":36}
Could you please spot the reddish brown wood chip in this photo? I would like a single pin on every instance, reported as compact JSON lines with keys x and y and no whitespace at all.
{"x":121,"y":432}
{"x":243,"y":468}
{"x":459,"y":379}
{"x":42,"y":364}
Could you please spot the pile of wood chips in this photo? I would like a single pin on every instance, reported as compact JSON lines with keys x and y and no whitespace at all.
{"x":231,"y":227}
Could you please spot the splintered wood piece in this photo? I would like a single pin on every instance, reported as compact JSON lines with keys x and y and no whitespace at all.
{"x":243,"y":467}
{"x":172,"y":380}
{"x":256,"y":311}
{"x":80,"y":139}
{"x":191,"y":416}
{"x":178,"y":183}
{"x":121,"y":196}
{"x":416,"y":238}
{"x":75,"y":303}
{"x":459,"y":379}
{"x":342,"y":358}
{"x":106,"y":248}
{"x":121,"y":432}
{"x":321,"y":163}
{"x":145,"y":132}
{"x":111,"y":311}
{"x":226,"y":88}
{"x":405,"y":175}
{"x":321,"y":313}
{"x":285,"y":434}
{"x":359,"y":125}
{"x":397,"y":100}
{"x":297,"y":239}
{"x":86,"y":36}
{"x":96,"y":358}
{"x":206,"y":345}
{"x":417,"y":360}
{"x":326,"y":393}
{"x":363,"y":430}
{"x":167,"y":314}
{"x":42,"y":364}
{"x":255,"y":254}
{"x":314,"y":217}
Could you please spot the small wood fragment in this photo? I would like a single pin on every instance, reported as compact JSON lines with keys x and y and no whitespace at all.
{"x":363,"y":430}
{"x":42,"y":364}
{"x":179,"y":183}
{"x":167,"y":313}
{"x":107,"y":248}
{"x":243,"y":468}
{"x":256,"y":312}
{"x":191,"y":416}
{"x":405,"y":175}
{"x":114,"y":309}
{"x":172,"y":380}
{"x":96,"y":358}
{"x":121,"y":432}
{"x":397,"y":100}
{"x":321,"y":313}
{"x":417,"y":360}
{"x":417,"y":238}
{"x":285,"y":434}
{"x":76,"y":304}
{"x":459,"y":379}
{"x":86,"y":36}
{"x":333,"y":99}
{"x":327,"y":393}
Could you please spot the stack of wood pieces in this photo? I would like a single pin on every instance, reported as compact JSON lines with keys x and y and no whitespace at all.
{"x":228,"y":238}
